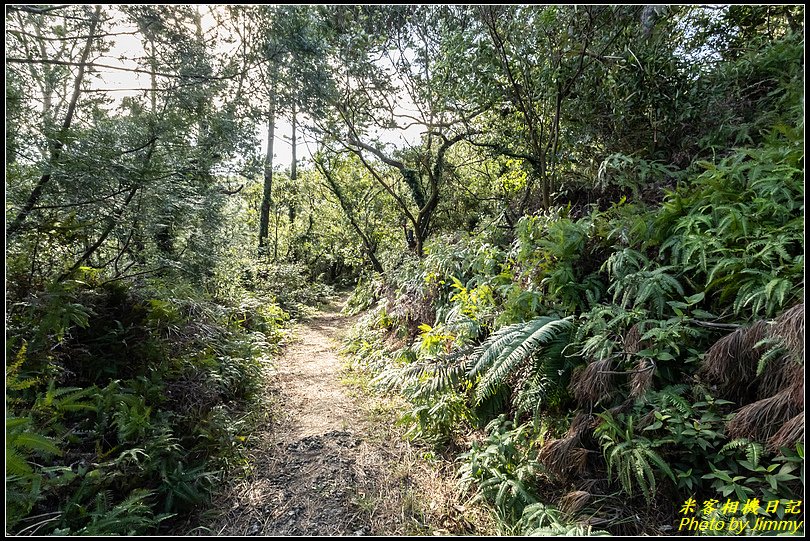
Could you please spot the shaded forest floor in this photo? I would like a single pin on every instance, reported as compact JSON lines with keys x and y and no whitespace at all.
{"x":332,"y":461}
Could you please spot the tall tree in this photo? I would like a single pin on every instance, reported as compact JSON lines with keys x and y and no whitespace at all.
{"x":398,"y":94}
{"x":267,"y":192}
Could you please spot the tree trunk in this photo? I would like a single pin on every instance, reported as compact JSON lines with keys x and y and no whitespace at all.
{"x":275,"y":236}
{"x":267,"y":196}
{"x":153,"y":75}
{"x":293,"y":178}
{"x":294,"y":162}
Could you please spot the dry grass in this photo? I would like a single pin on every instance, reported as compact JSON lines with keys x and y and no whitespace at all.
{"x":796,"y":390}
{"x":790,"y":328}
{"x":564,"y":457}
{"x":750,"y":352}
{"x":632,"y":340}
{"x":580,"y":424}
{"x":414,"y":490}
{"x":731,"y":363}
{"x":778,"y":391}
{"x":781,"y":373}
{"x":594,"y":382}
{"x":762,"y":419}
{"x":574,"y":501}
{"x":789,"y":435}
{"x":642,"y":378}
{"x":411,"y":307}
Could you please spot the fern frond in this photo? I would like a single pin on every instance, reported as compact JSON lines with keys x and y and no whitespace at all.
{"x":16,"y":464}
{"x":494,"y":346}
{"x":502,"y":355}
{"x":753,"y":450}
{"x":34,"y":443}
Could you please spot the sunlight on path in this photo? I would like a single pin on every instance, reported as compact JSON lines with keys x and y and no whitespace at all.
{"x":306,"y":467}
{"x":325,"y":467}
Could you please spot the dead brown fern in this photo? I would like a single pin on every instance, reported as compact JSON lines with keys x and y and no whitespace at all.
{"x":762,"y":419}
{"x":789,"y":435}
{"x":779,"y":374}
{"x":790,"y":328}
{"x":731,"y":363}
{"x":642,"y":377}
{"x":564,"y":457}
{"x":574,"y":501}
{"x":632,"y":340}
{"x":594,"y":382}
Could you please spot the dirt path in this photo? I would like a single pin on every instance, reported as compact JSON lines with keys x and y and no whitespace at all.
{"x":332,"y":463}
{"x":305,"y":466}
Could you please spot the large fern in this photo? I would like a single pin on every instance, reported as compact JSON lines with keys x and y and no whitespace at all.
{"x":507,"y":348}
{"x":131,"y":515}
{"x":541,"y":520}
{"x":630,"y":457}
{"x":424,"y":378}
{"x":545,"y":380}
{"x":649,"y":285}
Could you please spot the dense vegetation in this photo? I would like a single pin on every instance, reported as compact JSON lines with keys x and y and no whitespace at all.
{"x":576,"y":235}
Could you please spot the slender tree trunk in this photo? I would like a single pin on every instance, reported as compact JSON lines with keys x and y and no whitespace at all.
{"x":275,"y":236}
{"x":420,"y":244}
{"x":57,"y":145}
{"x":538,"y":172}
{"x":293,"y":178}
{"x":294,"y":162}
{"x":153,"y":75}
{"x":267,"y":196}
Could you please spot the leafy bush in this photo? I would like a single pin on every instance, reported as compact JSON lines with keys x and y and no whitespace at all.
{"x":141,"y":412}
{"x":502,"y":469}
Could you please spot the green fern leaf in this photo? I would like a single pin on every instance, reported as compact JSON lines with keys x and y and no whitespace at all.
{"x":16,"y":465}
{"x":504,"y":355}
{"x":34,"y":443}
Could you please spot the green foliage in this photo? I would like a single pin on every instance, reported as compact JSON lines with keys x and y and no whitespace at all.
{"x":123,"y":449}
{"x":653,"y":286}
{"x":502,"y":469}
{"x":411,"y":179}
{"x":595,"y":188}
{"x":500,"y":354}
{"x":630,"y":457}
{"x":631,"y":173}
{"x":737,"y":227}
{"x":541,"y":520}
{"x":438,"y":419}
{"x":132,"y":515}
{"x":552,"y":253}
{"x":364,"y":295}
{"x":741,"y":470}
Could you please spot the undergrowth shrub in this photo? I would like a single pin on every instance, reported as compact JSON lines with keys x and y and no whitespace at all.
{"x":125,"y":406}
{"x":611,"y":315}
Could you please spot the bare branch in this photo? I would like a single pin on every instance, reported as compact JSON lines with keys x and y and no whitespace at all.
{"x":36,"y":10}
{"x":378,"y":153}
{"x":231,"y":192}
{"x":83,"y":64}
{"x":69,"y":38}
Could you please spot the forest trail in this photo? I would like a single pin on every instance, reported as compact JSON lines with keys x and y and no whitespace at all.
{"x":324,"y":467}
